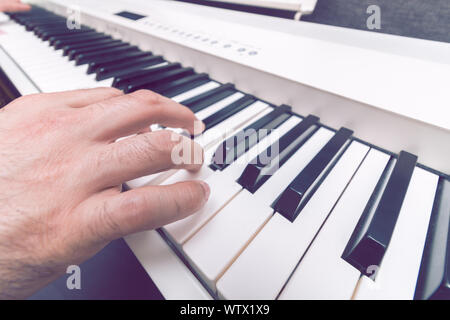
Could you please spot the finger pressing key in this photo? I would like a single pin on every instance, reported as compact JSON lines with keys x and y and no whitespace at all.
{"x":128,"y":114}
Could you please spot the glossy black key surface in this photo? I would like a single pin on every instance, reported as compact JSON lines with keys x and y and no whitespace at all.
{"x":82,"y":40}
{"x":53,"y":38}
{"x":228,"y":111}
{"x":148,"y":75}
{"x":261,"y":168}
{"x":165,"y":77}
{"x":87,"y":45}
{"x":74,"y":53}
{"x":73,"y":36}
{"x":124,"y":67}
{"x":195,"y":78}
{"x":194,"y":82}
{"x":40,"y":30}
{"x":296,"y":195}
{"x":373,"y":232}
{"x":124,"y":80}
{"x":90,"y":56}
{"x":94,"y":66}
{"x":52,"y":27}
{"x":434,"y":275}
{"x":210,"y":97}
{"x":233,"y":147}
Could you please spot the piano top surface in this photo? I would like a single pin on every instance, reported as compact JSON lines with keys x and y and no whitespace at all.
{"x":402,"y":75}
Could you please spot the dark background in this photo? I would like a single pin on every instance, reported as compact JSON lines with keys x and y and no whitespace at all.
{"x":425,"y":19}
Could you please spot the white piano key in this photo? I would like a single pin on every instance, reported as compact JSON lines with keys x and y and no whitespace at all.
{"x":174,"y":279}
{"x":396,"y":277}
{"x":20,"y":80}
{"x":322,"y":273}
{"x":215,"y":245}
{"x":222,"y":238}
{"x":281,"y":243}
{"x":231,"y":125}
{"x":222,"y":190}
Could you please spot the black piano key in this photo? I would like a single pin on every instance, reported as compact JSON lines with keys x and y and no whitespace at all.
{"x":58,"y":34}
{"x":58,"y":27}
{"x":193,"y":80}
{"x":39,"y":30}
{"x":202,"y":79}
{"x":121,"y":68}
{"x":94,"y":66}
{"x":38,"y":18}
{"x":228,"y":111}
{"x":90,"y":56}
{"x":32,"y":16}
{"x":434,"y":275}
{"x":296,"y":195}
{"x":373,"y":232}
{"x":53,"y":38}
{"x":124,"y":80}
{"x":74,"y":53}
{"x":165,"y":77}
{"x":44,"y":24}
{"x":261,"y":168}
{"x":210,"y":97}
{"x":67,"y":46}
{"x":82,"y":40}
{"x":233,"y":147}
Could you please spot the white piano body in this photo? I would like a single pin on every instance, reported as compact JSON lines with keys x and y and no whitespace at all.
{"x":392,"y":91}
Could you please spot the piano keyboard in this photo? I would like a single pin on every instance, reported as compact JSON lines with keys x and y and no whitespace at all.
{"x":302,"y":212}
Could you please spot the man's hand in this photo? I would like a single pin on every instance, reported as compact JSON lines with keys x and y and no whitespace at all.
{"x":13,"y":6}
{"x":61,"y":171}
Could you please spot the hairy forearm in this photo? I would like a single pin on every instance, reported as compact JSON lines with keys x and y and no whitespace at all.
{"x":19,"y":280}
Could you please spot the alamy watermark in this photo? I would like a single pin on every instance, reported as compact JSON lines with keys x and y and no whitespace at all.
{"x":73,"y":20}
{"x":374,"y":20}
{"x":74,"y":279}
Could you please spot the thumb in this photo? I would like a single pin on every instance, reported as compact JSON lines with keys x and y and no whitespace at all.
{"x":144,"y":208}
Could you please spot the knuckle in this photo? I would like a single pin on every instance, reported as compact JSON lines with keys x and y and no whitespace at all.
{"x":166,"y":138}
{"x":193,"y":193}
{"x":107,"y":222}
{"x":149,"y":97}
{"x":145,"y":148}
{"x":112,"y":91}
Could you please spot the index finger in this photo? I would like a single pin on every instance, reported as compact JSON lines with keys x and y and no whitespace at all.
{"x":128,"y":114}
{"x":83,"y":97}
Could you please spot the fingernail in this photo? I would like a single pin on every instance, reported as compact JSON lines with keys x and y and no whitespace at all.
{"x":199,"y":127}
{"x":206,"y":189}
